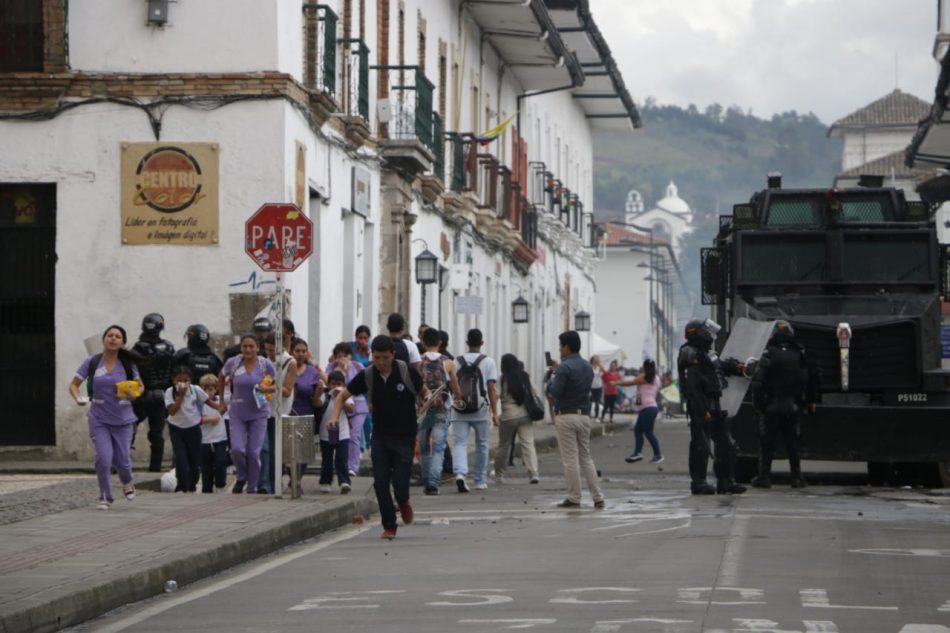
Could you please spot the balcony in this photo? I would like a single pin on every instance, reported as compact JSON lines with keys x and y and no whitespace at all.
{"x":411,"y":144}
{"x":320,"y":24}
{"x":356,"y":90}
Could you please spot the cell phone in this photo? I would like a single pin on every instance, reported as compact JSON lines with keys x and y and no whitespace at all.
{"x":547,"y":359}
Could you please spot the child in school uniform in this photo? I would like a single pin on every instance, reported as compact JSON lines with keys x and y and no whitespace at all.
{"x":214,"y":440}
{"x":335,"y":441}
{"x":185,"y":402}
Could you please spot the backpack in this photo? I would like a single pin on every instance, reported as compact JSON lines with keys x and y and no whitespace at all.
{"x":403,"y":375}
{"x":472,"y":384}
{"x":434,"y":377}
{"x":400,"y":351}
{"x":94,"y":364}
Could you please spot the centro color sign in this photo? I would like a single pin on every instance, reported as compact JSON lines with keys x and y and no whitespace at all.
{"x":169,"y":193}
{"x":278,"y":237}
{"x":168,"y":179}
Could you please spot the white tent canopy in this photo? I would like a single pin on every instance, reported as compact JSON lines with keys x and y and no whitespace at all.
{"x":599,"y":346}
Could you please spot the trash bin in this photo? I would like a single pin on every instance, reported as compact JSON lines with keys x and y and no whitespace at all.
{"x":297,"y":436}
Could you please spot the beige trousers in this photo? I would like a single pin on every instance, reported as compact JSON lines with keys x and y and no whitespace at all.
{"x":573,"y":440}
{"x":523,"y":428}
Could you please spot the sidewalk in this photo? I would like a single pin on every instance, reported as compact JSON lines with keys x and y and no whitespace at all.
{"x":63,"y":568}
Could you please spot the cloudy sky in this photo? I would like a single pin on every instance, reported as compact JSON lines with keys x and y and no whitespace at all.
{"x":829,"y":57}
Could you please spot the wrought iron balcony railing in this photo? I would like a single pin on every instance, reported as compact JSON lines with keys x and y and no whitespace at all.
{"x":321,"y":45}
{"x":356,"y":78}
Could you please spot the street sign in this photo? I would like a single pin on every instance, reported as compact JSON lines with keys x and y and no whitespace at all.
{"x":278,"y":237}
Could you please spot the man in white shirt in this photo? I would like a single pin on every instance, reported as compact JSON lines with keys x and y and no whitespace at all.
{"x":477,"y":375}
{"x":396,"y":325}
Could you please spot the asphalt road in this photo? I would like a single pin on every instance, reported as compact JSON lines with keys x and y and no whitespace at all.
{"x":834,"y":557}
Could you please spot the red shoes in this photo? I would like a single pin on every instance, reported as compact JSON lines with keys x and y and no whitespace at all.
{"x":405,"y":511}
{"x":389,"y":534}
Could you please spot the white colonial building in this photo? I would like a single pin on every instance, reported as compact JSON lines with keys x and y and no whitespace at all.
{"x":134,"y":146}
{"x":668,"y":221}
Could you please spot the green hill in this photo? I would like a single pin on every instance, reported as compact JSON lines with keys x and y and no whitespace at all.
{"x":717,"y":158}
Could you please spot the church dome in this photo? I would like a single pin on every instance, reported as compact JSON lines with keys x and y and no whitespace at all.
{"x":672,"y":202}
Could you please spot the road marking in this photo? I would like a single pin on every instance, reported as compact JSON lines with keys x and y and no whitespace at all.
{"x":611,"y":626}
{"x":324,"y":601}
{"x":694,"y":595}
{"x":732,"y":555}
{"x":924,"y":628}
{"x":573,"y":599}
{"x":514,"y":623}
{"x":184,"y":598}
{"x":768,"y":626}
{"x":819,"y":598}
{"x":470,"y":593}
{"x":945,"y":606}
{"x":931,"y":553}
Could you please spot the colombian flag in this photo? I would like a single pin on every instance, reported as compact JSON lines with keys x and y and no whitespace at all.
{"x":487,"y":137}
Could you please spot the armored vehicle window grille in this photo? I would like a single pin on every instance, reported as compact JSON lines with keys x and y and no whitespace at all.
{"x":863,"y":211}
{"x":714,"y":280}
{"x":881,"y":356}
{"x":794,"y":212}
{"x":886,"y":258}
{"x":782,"y":259}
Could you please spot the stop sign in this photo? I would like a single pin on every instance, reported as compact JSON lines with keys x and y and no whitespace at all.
{"x":278,"y":237}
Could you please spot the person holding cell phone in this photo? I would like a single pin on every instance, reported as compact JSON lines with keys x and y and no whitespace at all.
{"x":111,"y":418}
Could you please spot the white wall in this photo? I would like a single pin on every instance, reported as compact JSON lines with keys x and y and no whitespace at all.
{"x":623,"y":302}
{"x":864,"y":146}
{"x":210,"y":36}
{"x":99,"y":281}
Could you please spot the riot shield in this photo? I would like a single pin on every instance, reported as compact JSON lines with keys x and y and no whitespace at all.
{"x":747,"y":340}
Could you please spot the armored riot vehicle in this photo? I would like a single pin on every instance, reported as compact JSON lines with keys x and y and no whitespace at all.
{"x":859,"y":274}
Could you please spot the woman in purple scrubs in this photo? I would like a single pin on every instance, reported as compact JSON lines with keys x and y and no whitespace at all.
{"x":244,"y":374}
{"x":111,"y":419}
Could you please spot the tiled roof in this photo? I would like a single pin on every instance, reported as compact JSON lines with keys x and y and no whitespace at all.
{"x":896,"y":108}
{"x":619,"y":235}
{"x":882,"y":167}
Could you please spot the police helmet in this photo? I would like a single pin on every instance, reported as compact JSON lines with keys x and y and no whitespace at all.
{"x":197,"y":334}
{"x":263,"y":324}
{"x":782,"y":331}
{"x":702,"y":332}
{"x":153,"y":323}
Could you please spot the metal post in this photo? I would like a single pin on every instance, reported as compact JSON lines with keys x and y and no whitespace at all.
{"x":422,"y":313}
{"x":278,"y":448}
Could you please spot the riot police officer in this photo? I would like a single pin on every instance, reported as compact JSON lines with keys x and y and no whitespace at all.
{"x":701,"y":382}
{"x":156,"y":366}
{"x":784,"y":384}
{"x":198,"y":355}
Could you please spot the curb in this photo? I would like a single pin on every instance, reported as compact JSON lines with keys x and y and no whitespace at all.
{"x":124,"y":588}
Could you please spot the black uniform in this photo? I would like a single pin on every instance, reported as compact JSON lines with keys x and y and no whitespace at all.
{"x":784,"y":385}
{"x":701,"y":382}
{"x":201,"y":360}
{"x":157,"y":354}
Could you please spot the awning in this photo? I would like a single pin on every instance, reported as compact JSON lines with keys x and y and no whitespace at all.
{"x":528,"y":41}
{"x":604,"y":96}
{"x":607,"y":351}
{"x":931,"y":143}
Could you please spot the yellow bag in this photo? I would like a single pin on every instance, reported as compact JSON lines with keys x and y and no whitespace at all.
{"x":128,"y":389}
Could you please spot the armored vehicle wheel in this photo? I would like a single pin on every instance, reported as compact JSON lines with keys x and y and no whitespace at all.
{"x":936,"y":474}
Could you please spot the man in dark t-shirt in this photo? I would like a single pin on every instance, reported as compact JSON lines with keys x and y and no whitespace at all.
{"x":392,"y":398}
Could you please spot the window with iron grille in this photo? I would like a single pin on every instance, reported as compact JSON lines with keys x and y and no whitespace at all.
{"x":21,"y":36}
